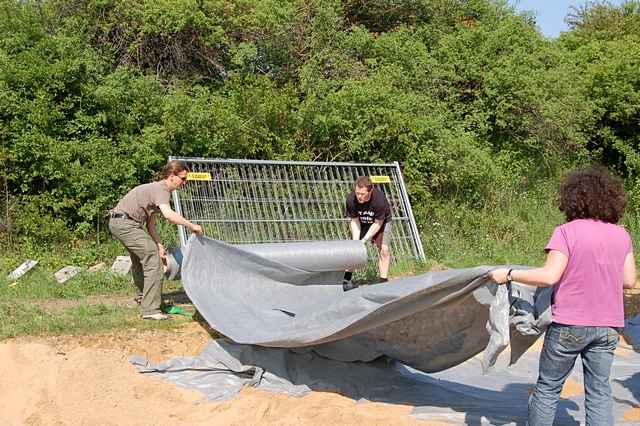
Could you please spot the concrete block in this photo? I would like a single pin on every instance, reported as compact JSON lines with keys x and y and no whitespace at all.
{"x":26,"y":266}
{"x":122,"y":265}
{"x":66,"y":273}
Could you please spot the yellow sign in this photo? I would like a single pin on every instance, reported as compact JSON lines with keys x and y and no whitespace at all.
{"x":199,"y":176}
{"x":380,"y":179}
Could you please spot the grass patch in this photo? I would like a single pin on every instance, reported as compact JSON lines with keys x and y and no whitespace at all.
{"x":21,"y":319}
{"x":22,"y":311}
{"x":40,"y":284}
{"x":513,"y":230}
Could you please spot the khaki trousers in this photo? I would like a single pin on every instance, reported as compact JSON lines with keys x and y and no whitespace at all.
{"x":146,"y":265}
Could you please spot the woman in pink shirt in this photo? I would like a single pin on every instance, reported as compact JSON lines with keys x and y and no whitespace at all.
{"x":589,"y":262}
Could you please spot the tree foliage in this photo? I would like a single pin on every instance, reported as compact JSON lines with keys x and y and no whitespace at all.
{"x":467,"y":95}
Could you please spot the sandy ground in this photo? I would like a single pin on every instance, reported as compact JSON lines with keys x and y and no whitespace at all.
{"x":87,"y":380}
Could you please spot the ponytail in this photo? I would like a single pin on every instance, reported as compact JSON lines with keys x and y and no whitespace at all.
{"x":173,"y":167}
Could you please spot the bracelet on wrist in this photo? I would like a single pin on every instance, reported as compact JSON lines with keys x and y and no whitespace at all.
{"x":509,"y":278}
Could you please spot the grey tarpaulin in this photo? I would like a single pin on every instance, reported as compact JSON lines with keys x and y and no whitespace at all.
{"x":459,"y":395}
{"x":317,"y":261}
{"x":430,"y":322}
{"x":298,"y":336}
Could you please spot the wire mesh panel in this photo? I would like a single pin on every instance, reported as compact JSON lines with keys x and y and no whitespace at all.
{"x":254,"y":201}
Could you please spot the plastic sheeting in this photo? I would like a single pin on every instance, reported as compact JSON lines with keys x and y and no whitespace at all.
{"x":294,"y":334}
{"x":323,"y":263}
{"x":430,"y":322}
{"x":459,"y":395}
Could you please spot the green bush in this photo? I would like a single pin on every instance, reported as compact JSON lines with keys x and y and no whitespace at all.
{"x":469,"y":97}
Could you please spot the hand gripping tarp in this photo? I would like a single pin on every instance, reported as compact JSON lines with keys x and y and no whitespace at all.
{"x":278,"y":297}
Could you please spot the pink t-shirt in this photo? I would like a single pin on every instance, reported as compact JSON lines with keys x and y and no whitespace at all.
{"x":590,"y":290}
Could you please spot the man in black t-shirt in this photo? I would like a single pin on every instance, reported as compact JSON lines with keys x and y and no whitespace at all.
{"x":370,"y":215}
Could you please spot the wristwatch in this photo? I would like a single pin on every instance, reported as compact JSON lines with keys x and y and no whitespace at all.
{"x":509,"y":279}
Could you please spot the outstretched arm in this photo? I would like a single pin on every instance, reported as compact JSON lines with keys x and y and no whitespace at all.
{"x":545,"y":276}
{"x":177,"y":219}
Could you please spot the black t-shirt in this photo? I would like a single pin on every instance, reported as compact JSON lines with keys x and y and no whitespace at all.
{"x":377,"y":208}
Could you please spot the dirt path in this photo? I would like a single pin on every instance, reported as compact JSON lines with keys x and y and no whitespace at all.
{"x":58,"y":305}
{"x":125,"y":301}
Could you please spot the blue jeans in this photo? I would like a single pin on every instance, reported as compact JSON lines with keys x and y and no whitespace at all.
{"x":562,"y":345}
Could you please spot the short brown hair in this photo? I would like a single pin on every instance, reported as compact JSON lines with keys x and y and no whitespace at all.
{"x":592,"y":193}
{"x":173,"y":167}
{"x":362,"y":182}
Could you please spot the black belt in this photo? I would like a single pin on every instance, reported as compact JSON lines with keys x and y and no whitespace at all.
{"x":115,"y":215}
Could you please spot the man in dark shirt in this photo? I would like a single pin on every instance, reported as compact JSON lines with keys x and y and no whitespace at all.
{"x":370,"y":215}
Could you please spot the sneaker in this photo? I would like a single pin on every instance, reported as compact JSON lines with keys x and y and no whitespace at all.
{"x":348,"y":285}
{"x":156,"y":317}
{"x":138,"y":299}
